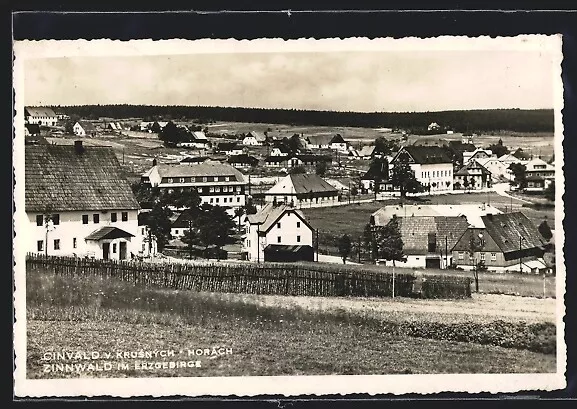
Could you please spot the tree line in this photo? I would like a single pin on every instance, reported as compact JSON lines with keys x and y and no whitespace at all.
{"x":538,"y":120}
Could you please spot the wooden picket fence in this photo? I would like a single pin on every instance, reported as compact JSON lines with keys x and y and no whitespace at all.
{"x":266,"y":278}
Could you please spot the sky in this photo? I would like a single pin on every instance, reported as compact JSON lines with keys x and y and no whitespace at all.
{"x":363,"y":81}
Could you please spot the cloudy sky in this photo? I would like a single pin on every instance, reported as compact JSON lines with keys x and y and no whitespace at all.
{"x":342,"y":81}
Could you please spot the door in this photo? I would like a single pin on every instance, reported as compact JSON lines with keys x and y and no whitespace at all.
{"x":122,"y":250}
{"x":433,"y":263}
{"x":105,"y":251}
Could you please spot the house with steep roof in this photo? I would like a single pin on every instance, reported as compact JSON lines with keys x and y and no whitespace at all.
{"x":338,"y":143}
{"x":40,"y":115}
{"x":83,"y":128}
{"x":499,"y":171}
{"x":243,"y":161}
{"x":78,"y":202}
{"x":254,"y":138}
{"x":539,"y":175}
{"x":216,"y":183}
{"x":230,"y":148}
{"x":278,"y":233}
{"x":478,"y":153}
{"x":279,"y":151}
{"x":367,"y":152}
{"x":472,"y":176}
{"x":376,"y":176}
{"x":428,"y":240}
{"x":318,"y":141}
{"x":302,"y":190}
{"x":508,"y":242}
{"x":431,"y":165}
{"x":31,"y":130}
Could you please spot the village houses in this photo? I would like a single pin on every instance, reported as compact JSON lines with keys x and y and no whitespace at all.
{"x":476,"y":154}
{"x":308,"y":161}
{"x":216,"y":183}
{"x":278,"y":232}
{"x":78,"y":202}
{"x":40,"y":116}
{"x":431,"y":165}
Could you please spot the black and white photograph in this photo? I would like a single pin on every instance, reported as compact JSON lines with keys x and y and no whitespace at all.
{"x":288,"y":217}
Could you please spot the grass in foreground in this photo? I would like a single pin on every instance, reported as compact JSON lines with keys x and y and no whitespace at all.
{"x":109,"y":316}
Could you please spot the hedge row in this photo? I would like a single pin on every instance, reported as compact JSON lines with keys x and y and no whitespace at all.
{"x":540,"y":337}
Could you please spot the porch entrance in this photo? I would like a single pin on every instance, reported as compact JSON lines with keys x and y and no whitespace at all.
{"x":105,"y":251}
{"x":122,"y":250}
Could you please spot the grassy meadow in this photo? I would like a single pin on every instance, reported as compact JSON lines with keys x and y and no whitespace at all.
{"x":274,"y":335}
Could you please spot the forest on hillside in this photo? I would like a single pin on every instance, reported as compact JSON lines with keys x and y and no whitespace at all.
{"x":518,"y":120}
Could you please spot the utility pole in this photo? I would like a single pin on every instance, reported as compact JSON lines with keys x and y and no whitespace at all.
{"x":317,"y":234}
{"x":446,"y":254}
{"x":190,"y":238}
{"x":520,"y":255}
{"x":359,"y":249}
{"x":258,"y":243}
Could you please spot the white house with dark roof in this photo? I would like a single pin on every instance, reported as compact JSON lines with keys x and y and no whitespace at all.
{"x":478,"y":153}
{"x":472,"y":176}
{"x":79,"y":202}
{"x":254,"y":138}
{"x":431,"y":165}
{"x":278,"y":233}
{"x":40,"y":116}
{"x":83,"y":128}
{"x":217,"y":183}
{"x":302,"y":190}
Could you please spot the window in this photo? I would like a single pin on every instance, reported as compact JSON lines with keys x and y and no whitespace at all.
{"x":238,"y":199}
{"x":39,"y":220}
{"x":56,"y":244}
{"x":493,"y":256}
{"x":298,"y":239}
{"x":124,"y":216}
{"x":84,"y":219}
{"x":114,"y":247}
{"x":278,"y":225}
{"x":211,"y":200}
{"x":40,"y":245}
{"x":224,"y":200}
{"x":482,"y":257}
{"x":278,"y":239}
{"x":227,"y":179}
{"x":96,"y":218}
{"x":181,"y":180}
{"x":298,"y":224}
{"x":74,"y":242}
{"x":56,"y":219}
{"x":217,"y":189}
{"x":461,"y":255}
{"x":211,"y":189}
{"x":176,"y":231}
{"x":217,"y":200}
{"x":170,"y":180}
{"x":113,"y":217}
{"x":204,"y":179}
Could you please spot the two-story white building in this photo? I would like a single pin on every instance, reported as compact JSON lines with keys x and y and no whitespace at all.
{"x":478,"y":153}
{"x":431,"y":164}
{"x":216,"y":183}
{"x":83,"y":128}
{"x":40,"y":116}
{"x":278,"y":233}
{"x":78,"y":202}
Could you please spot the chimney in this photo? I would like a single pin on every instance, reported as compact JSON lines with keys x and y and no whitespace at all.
{"x":78,"y":148}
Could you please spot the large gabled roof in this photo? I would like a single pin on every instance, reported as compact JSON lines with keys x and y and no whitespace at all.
{"x":426,"y":154}
{"x":40,"y":111}
{"x":415,"y":232}
{"x":271,"y":213}
{"x":305,"y":183}
{"x":259,"y":136}
{"x":57,"y":178}
{"x":87,"y":126}
{"x":474,"y":164}
{"x":319,"y":139}
{"x":506,"y":229}
{"x":207,"y":168}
